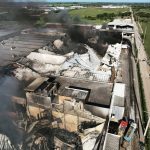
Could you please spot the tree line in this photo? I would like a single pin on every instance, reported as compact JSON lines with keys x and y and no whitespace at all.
{"x":105,"y":16}
{"x":141,"y":13}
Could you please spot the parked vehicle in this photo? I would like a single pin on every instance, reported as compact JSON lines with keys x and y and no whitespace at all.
{"x":129,"y":135}
{"x":122,"y":127}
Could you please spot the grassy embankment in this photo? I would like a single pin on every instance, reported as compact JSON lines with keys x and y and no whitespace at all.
{"x":90,"y":14}
{"x":142,"y":15}
{"x":144,"y":108}
{"x":146,"y":30}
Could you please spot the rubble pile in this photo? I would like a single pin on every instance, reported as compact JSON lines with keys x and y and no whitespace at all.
{"x":99,"y":41}
{"x":46,"y":138}
{"x":46,"y":58}
{"x":62,"y":108}
{"x":25,"y":74}
{"x":57,"y":118}
{"x":48,"y":121}
{"x":58,"y":43}
{"x":5,"y":143}
{"x":89,"y":65}
{"x":87,"y":57}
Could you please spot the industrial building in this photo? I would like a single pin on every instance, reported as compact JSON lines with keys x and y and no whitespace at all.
{"x":121,"y":24}
{"x":72,"y":96}
{"x":66,"y":106}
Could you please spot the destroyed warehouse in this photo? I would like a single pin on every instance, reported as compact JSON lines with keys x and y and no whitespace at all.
{"x":72,"y":88}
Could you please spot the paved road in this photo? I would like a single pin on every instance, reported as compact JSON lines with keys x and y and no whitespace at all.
{"x":144,"y":67}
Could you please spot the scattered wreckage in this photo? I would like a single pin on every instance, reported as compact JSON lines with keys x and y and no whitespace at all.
{"x":51,"y":117}
{"x":47,"y":121}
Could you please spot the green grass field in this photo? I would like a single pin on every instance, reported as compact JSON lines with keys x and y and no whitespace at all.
{"x":142,"y":14}
{"x":93,"y":12}
{"x":146,"y":28}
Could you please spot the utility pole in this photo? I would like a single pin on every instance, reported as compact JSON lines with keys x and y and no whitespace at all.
{"x":147,"y":126}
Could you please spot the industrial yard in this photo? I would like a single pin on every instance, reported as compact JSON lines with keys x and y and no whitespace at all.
{"x":69,"y":87}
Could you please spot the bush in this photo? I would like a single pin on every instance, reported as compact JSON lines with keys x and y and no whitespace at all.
{"x":90,"y":17}
{"x":142,"y":35}
{"x":40,"y":22}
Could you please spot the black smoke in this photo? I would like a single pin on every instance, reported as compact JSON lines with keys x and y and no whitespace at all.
{"x":98,"y":40}
{"x":9,"y":86}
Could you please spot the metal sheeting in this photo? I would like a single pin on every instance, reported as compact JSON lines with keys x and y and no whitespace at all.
{"x":5,"y":143}
{"x":35,"y":84}
{"x":112,"y":142}
{"x":75,"y":93}
{"x":118,"y":112}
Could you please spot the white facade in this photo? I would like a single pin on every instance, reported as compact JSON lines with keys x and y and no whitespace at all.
{"x":113,"y":6}
{"x":119,"y":90}
{"x":121,"y":24}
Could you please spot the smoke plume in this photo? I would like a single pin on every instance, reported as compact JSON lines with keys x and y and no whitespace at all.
{"x":9,"y":87}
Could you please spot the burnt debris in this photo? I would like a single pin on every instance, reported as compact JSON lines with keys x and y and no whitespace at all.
{"x":98,"y":40}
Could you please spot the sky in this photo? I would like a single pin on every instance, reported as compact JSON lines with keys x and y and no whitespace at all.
{"x":114,"y":1}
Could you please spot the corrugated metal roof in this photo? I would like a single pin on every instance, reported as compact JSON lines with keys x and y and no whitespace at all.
{"x":121,"y":22}
{"x":35,"y":84}
{"x":75,"y":93}
{"x":112,"y":142}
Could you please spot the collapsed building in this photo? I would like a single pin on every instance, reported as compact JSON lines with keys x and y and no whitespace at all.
{"x":66,"y":109}
{"x":71,"y":93}
{"x":63,"y":57}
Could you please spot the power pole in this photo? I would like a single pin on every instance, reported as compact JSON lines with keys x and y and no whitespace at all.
{"x":147,"y":126}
